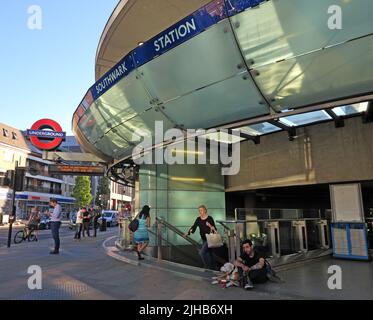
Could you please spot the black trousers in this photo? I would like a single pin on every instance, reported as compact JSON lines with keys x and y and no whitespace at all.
{"x":86,"y":228}
{"x":55,"y":228}
{"x":256,"y":276}
{"x":95,"y":227}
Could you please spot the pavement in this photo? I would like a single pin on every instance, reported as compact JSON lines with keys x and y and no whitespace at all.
{"x":83,"y":270}
{"x":43,"y":234}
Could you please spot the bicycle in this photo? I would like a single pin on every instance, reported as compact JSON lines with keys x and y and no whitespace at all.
{"x":25,"y":234}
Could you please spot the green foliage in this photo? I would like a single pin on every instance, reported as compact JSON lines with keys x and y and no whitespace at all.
{"x":103,"y":192}
{"x":82,"y":191}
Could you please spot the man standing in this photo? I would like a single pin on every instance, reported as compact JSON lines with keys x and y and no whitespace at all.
{"x":86,"y":221}
{"x":55,"y":224}
{"x":95,"y":222}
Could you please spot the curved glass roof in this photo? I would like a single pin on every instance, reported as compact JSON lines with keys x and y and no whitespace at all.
{"x":264,"y":62}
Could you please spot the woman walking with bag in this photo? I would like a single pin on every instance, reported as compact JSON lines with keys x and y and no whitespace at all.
{"x":141,"y":235}
{"x":206,"y":225}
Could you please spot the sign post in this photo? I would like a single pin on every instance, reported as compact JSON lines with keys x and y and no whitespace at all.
{"x":12,"y":216}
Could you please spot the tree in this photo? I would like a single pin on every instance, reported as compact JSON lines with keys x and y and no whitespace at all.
{"x":103,"y":192}
{"x":82,"y":191}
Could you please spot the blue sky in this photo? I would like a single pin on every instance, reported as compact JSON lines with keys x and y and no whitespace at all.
{"x":45,"y":73}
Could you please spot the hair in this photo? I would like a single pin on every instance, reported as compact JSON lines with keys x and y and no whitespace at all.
{"x":145,"y":212}
{"x":202,"y":206}
{"x":54,"y":200}
{"x":247,"y":241}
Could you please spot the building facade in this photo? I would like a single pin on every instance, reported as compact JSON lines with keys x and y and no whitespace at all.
{"x":39,"y":186}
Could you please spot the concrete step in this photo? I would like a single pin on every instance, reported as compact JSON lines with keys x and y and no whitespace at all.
{"x":130,"y":257}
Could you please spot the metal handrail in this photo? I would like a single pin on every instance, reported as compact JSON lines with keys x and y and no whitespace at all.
{"x":266,"y":220}
{"x":177,"y":231}
{"x":172,"y":245}
{"x":181,"y":234}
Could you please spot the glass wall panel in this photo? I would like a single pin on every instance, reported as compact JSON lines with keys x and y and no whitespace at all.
{"x":334,"y":73}
{"x":227,"y":101}
{"x":351,"y":109}
{"x":92,"y":124}
{"x":260,"y":129}
{"x":305,"y":118}
{"x":196,"y":177}
{"x":209,"y":57}
{"x":123,"y":101}
{"x":192,"y":199}
{"x":223,"y":137}
{"x":148,"y":177}
{"x":278,"y":30}
{"x":111,"y":144}
{"x":162,"y":177}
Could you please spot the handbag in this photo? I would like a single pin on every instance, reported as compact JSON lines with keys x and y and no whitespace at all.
{"x":134,"y":224}
{"x":214,"y":240}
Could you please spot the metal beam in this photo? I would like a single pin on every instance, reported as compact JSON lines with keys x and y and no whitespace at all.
{"x":338,"y":121}
{"x":255,"y":139}
{"x":71,"y":156}
{"x":292,"y":131}
{"x":368,"y":115}
{"x":300,"y":110}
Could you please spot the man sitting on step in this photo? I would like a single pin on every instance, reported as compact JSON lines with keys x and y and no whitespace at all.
{"x":253,"y":267}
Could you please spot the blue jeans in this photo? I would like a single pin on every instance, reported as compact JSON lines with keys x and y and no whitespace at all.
{"x":55,"y":228}
{"x":207,"y":257}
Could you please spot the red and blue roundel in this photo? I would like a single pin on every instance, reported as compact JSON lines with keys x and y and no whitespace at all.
{"x":46,"y":139}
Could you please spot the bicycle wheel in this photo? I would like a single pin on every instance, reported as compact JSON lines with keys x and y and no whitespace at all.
{"x":32,"y":236}
{"x":19,"y":237}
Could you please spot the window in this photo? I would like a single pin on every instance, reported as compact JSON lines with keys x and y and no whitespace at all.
{"x":5,"y":132}
{"x":14,"y":136}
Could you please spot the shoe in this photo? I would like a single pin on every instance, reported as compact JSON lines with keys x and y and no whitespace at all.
{"x":54,"y":252}
{"x":274,"y":278}
{"x":249,"y":285}
{"x":139,"y":256}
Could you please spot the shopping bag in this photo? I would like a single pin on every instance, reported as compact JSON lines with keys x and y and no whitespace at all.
{"x":214,"y":240}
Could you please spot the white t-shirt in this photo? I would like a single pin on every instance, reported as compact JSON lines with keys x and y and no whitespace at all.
{"x":79,"y":217}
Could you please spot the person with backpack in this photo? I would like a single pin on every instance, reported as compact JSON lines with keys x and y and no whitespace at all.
{"x":141,"y":236}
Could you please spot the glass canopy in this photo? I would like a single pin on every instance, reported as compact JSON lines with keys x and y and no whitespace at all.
{"x":233,"y":61}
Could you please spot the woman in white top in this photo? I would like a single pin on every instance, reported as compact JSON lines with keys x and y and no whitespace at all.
{"x":78,"y":224}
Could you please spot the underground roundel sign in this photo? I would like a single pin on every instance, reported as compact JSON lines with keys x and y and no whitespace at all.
{"x":46,"y":134}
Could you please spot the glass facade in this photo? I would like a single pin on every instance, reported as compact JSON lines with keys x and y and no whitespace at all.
{"x":175,"y":192}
